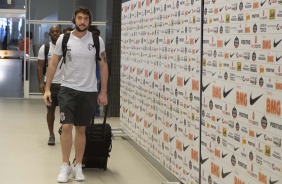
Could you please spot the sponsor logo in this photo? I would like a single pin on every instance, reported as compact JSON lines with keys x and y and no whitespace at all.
{"x":258,"y":135}
{"x":203,"y":160}
{"x":253,"y":100}
{"x":264,"y":122}
{"x":278,"y":58}
{"x":272,"y":182}
{"x":171,"y":138}
{"x":236,"y":42}
{"x":267,"y":150}
{"x":226,"y":42}
{"x":224,"y":174}
{"x":226,"y":93}
{"x":262,"y":3}
{"x":205,"y":87}
{"x":273,"y":106}
{"x":233,"y":160}
{"x":185,"y":147}
{"x":186,"y":80}
{"x":275,"y":44}
{"x":231,"y":55}
{"x":223,"y":155}
{"x":171,"y":78}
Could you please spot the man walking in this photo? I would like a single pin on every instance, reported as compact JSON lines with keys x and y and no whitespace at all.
{"x":54,"y":33}
{"x":78,"y":89}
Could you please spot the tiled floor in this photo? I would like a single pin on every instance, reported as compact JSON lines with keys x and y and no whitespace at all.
{"x":27,"y":159}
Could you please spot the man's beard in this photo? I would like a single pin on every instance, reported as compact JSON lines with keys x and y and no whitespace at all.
{"x":80,"y":30}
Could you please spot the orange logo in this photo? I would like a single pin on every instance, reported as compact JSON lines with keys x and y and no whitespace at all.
{"x":255,"y":5}
{"x":241,"y":98}
{"x":192,"y":41}
{"x":145,"y":123}
{"x":216,"y":92}
{"x":251,"y":133}
{"x":137,"y":119}
{"x":238,"y":181}
{"x":195,"y":85}
{"x":194,"y":155}
{"x":166,"y":137}
{"x":166,"y":78}
{"x":219,"y":43}
{"x":178,"y":145}
{"x":217,"y":152}
{"x":155,"y":130}
{"x":215,"y":169}
{"x":266,"y":44}
{"x":278,"y":86}
{"x":270,"y":59}
{"x":156,"y":76}
{"x":146,"y":73}
{"x":262,"y":178}
{"x":179,"y":81}
{"x":273,"y":107}
{"x":190,"y":136}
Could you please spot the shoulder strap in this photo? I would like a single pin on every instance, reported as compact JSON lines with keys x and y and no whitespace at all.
{"x":46,"y":51}
{"x":64,"y":47}
{"x":97,"y":46}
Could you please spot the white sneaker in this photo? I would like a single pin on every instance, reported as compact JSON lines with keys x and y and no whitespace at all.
{"x":77,"y":173}
{"x":66,"y":170}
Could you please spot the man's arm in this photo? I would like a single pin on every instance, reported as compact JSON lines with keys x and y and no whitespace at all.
{"x":40,"y":66}
{"x":52,"y":66}
{"x":103,"y":64}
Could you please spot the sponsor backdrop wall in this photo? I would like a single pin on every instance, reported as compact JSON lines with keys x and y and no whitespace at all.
{"x":238,"y":102}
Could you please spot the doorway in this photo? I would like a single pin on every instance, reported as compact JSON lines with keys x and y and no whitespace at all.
{"x":11,"y":58}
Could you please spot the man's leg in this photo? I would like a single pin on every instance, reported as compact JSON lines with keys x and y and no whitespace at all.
{"x":66,"y":141}
{"x":79,"y":143}
{"x":67,"y":106}
{"x":51,"y":118}
{"x":50,"y":122}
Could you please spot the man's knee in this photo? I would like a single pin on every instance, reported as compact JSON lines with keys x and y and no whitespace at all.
{"x":67,"y":128}
{"x":80,"y":130}
{"x":51,"y":110}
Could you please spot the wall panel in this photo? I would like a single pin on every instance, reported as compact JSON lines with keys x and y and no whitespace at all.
{"x":163,"y":99}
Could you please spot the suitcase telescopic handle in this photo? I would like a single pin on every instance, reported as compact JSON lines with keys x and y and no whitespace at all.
{"x":104,"y":120}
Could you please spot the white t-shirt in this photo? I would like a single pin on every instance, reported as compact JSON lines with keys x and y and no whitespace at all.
{"x":59,"y":72}
{"x":80,"y":66}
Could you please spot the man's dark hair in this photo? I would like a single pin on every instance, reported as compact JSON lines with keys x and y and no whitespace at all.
{"x":84,"y":10}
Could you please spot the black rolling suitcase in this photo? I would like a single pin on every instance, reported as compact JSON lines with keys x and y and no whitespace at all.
{"x":98,"y":144}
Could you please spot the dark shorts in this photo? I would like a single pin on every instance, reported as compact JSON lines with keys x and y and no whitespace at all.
{"x":76,"y":107}
{"x":54,"y":89}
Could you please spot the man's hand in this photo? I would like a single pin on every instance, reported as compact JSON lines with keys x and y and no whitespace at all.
{"x":42,"y":88}
{"x":47,"y":98}
{"x":102,"y":99}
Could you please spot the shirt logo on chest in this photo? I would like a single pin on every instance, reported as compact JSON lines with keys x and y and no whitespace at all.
{"x":90,"y":46}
